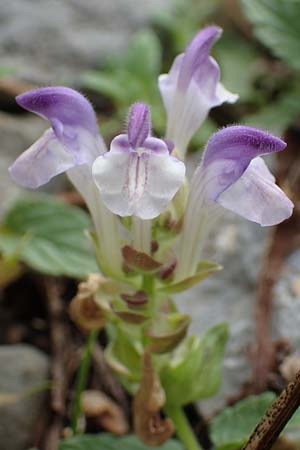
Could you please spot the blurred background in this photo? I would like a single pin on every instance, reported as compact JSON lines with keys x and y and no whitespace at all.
{"x":113,"y":51}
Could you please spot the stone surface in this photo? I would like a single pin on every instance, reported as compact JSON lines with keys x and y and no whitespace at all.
{"x":22,"y":367}
{"x":53,"y":41}
{"x":286,"y":310}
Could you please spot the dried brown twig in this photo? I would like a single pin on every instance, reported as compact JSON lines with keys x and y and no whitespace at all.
{"x":107,"y":382}
{"x":61,"y":347}
{"x":275,"y":419}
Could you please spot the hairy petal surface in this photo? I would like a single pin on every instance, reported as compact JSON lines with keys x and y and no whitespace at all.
{"x":231,"y":175}
{"x":138,"y":125}
{"x":192,"y":88}
{"x":74,"y":139}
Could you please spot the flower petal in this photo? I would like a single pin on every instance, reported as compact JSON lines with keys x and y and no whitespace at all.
{"x":43,"y":160}
{"x":256,"y":197}
{"x":72,"y":119}
{"x":138,"y":124}
{"x":232,"y":175}
{"x":192,"y":88}
{"x":61,"y":105}
{"x":141,"y":185}
{"x":229,"y":153}
{"x":196,"y":55}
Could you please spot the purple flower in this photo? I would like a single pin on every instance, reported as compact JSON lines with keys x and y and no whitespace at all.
{"x":192,"y":88}
{"x":234,"y":176}
{"x":72,"y":141}
{"x":71,"y":145}
{"x":138,"y":176}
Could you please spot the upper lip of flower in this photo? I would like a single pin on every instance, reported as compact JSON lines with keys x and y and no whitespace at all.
{"x":191,"y":88}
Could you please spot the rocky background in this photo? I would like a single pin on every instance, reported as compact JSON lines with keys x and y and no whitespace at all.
{"x":52,"y":42}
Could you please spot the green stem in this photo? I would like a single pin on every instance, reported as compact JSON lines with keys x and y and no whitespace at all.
{"x":183,"y":428}
{"x":81,"y":379}
{"x":148,"y":284}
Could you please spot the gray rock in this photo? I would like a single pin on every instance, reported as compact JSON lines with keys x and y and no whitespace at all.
{"x":52,"y":41}
{"x":18,"y":132}
{"x":22,"y":367}
{"x":286,"y":307}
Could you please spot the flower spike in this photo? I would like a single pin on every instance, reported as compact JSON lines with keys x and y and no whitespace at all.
{"x":138,"y":176}
{"x":192,"y":88}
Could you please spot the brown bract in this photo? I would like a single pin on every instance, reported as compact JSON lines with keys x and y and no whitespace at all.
{"x":139,"y":261}
{"x":150,"y":427}
{"x":97,"y":405}
{"x":84,"y":311}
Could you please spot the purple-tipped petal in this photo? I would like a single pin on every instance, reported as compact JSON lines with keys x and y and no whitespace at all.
{"x":62,"y":106}
{"x":74,"y":139}
{"x":256,"y":197}
{"x":138,"y":124}
{"x":231,"y":175}
{"x":192,"y":88}
{"x":229,"y":153}
{"x":197,"y":54}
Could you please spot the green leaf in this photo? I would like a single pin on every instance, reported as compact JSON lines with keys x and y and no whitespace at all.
{"x":276,"y":25}
{"x":232,"y":53}
{"x":106,"y":84}
{"x":123,"y":355}
{"x":183,"y":21}
{"x":279,"y":115}
{"x":144,"y":55}
{"x":4,"y":71}
{"x":107,"y":441}
{"x":232,"y":427}
{"x":168,"y":331}
{"x":194,"y":372}
{"x":204,"y":270}
{"x":48,"y":235}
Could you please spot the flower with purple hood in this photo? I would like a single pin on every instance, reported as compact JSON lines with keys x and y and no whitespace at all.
{"x":192,"y":88}
{"x":140,"y":174}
